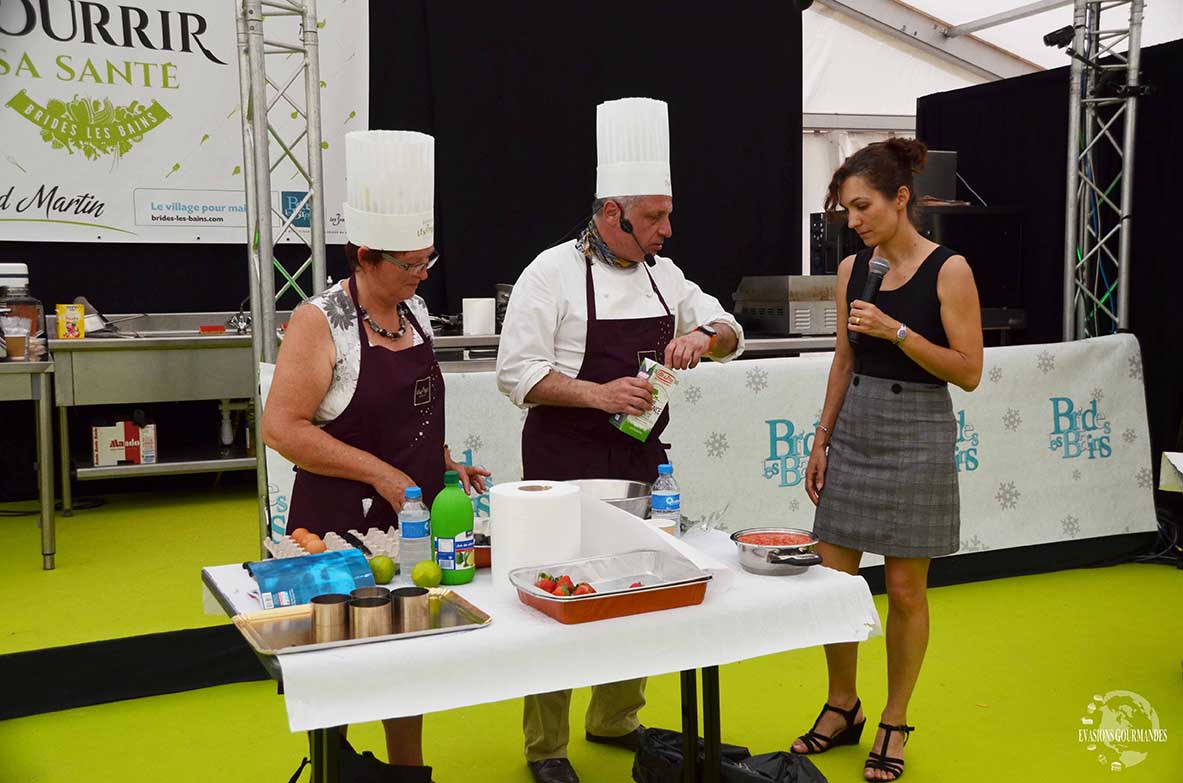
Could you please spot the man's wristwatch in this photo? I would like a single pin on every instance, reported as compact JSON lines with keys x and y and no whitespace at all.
{"x":901,"y":334}
{"x":711,"y":333}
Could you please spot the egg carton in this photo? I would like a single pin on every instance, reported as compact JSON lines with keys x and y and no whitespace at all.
{"x":379,"y":543}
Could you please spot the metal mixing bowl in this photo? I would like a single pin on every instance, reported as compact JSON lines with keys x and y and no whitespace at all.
{"x":776,"y":560}
{"x":632,"y":496}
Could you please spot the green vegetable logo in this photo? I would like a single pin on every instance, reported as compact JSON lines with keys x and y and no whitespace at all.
{"x":96,"y":128}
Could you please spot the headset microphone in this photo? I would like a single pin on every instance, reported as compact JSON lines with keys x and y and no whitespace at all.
{"x":626,"y":226}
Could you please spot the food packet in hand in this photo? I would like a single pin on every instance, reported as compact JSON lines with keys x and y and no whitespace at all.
{"x":663,"y":380}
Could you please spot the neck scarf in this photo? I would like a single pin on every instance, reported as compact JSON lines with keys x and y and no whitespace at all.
{"x":592,"y":245}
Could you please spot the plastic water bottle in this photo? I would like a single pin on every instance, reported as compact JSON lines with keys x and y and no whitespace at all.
{"x":667,"y":501}
{"x":414,"y":526}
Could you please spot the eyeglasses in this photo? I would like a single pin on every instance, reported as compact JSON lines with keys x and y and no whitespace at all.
{"x":412,"y":268}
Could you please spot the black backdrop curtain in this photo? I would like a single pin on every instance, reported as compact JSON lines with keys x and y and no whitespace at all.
{"x":509,"y":91}
{"x":1012,"y":143}
{"x":1011,"y":139}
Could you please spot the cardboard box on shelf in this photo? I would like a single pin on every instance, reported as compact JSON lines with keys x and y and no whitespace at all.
{"x":125,"y":442}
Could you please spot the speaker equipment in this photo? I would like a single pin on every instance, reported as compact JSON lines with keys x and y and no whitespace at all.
{"x":990,"y":238}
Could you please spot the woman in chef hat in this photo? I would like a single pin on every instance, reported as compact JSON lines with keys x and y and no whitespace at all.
{"x":357,"y":403}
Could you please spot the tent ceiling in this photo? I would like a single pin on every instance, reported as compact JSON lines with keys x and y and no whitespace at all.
{"x":927,"y":33}
{"x":1162,"y":22}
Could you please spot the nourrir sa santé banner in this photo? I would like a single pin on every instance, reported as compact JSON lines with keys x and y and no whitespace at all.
{"x":124,"y":117}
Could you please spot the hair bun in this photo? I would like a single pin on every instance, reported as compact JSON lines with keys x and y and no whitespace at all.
{"x":912,"y":153}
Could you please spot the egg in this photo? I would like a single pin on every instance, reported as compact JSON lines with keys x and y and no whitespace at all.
{"x":299,"y":534}
{"x":313,"y":545}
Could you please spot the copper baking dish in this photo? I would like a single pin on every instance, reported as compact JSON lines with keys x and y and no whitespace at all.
{"x":668,"y":581}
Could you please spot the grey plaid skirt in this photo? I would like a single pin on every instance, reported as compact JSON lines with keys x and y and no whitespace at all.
{"x":891,"y":476}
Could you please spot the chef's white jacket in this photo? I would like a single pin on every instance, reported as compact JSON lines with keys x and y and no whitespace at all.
{"x":546,"y":323}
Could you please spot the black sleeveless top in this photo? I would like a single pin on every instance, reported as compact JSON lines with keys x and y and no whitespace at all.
{"x":916,"y":304}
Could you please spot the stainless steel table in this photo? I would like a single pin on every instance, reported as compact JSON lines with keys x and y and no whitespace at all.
{"x":30,"y":381}
{"x":161,"y":357}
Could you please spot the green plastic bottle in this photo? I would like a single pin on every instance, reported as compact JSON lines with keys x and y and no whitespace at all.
{"x":451,"y":532}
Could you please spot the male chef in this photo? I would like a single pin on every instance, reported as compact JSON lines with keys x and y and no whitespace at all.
{"x":582,"y":317}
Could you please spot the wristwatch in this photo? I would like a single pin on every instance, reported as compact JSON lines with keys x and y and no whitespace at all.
{"x":711,"y":333}
{"x":901,"y":334}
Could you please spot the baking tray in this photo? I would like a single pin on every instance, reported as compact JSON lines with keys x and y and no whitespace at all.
{"x":669,"y":581}
{"x":289,"y":629}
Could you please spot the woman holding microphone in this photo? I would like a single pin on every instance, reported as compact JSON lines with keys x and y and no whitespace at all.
{"x":882,"y":470}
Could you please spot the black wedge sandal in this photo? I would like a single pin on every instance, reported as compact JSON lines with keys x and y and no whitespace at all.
{"x":820,"y":743}
{"x":883,"y":762}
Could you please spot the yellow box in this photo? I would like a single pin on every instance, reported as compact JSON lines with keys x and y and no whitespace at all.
{"x":71,"y":321}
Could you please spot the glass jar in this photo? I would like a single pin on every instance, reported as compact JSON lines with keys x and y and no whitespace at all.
{"x":23,"y":325}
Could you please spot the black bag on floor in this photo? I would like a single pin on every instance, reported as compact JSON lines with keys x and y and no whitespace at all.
{"x":364,"y":767}
{"x":659,"y":760}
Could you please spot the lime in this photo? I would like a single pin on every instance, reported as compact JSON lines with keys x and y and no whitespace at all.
{"x":427,"y":574}
{"x":383,"y":568}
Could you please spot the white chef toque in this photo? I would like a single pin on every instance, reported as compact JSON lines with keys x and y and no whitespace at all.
{"x":390,"y":189}
{"x":633,"y":147}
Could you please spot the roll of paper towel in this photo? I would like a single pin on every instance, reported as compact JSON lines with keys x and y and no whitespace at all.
{"x":532,"y":523}
{"x":480,"y":316}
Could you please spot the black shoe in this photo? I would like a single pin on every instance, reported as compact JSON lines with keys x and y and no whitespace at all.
{"x":553,"y":771}
{"x":879,"y":760}
{"x":816,"y":742}
{"x":630,"y":741}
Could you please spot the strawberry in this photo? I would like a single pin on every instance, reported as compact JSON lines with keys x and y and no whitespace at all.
{"x":562,"y":590}
{"x":584,"y":589}
{"x":635,"y":584}
{"x":566,"y":580}
{"x":547,"y":585}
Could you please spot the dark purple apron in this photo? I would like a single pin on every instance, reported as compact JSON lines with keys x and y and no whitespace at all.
{"x":562,"y":444}
{"x":396,"y":414}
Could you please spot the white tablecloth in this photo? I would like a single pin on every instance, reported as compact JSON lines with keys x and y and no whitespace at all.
{"x":523,"y":651}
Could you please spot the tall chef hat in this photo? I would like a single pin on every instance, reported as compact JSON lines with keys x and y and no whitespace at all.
{"x":633,"y":145}
{"x":390,"y":189}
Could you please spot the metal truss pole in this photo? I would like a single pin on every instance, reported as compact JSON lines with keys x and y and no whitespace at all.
{"x":253,"y":277}
{"x":266,"y":80}
{"x":1133,"y":88}
{"x":1103,"y":105}
{"x":279,"y":143}
{"x":315,"y":146}
{"x":1072,"y":202}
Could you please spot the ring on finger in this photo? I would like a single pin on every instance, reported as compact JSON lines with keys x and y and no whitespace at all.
{"x":857,"y":320}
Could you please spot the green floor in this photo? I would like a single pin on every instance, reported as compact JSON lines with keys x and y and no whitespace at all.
{"x":131,"y":566}
{"x":1011,"y":667}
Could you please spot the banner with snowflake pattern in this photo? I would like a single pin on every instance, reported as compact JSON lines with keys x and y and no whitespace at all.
{"x":121,"y":120}
{"x":1052,"y":446}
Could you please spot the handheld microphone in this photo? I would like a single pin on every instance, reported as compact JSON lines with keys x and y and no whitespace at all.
{"x":878,"y":268}
{"x":626,"y":226}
